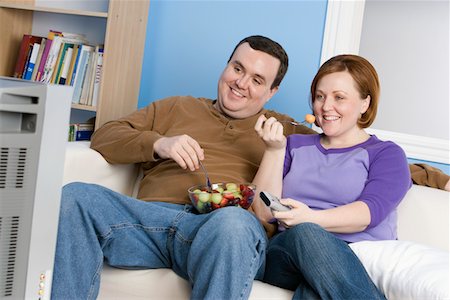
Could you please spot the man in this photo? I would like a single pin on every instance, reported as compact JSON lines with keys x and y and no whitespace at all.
{"x":168,"y":138}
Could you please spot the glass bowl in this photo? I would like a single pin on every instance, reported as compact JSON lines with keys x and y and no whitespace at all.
{"x":221,"y":195}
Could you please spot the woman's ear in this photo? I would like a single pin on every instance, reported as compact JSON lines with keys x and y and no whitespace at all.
{"x":366,"y":104}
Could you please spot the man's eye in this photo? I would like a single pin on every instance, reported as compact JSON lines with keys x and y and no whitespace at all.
{"x":257,"y":81}
{"x":339,"y":98}
{"x":237,"y":69}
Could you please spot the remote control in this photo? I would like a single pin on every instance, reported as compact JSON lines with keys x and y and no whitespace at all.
{"x":273,"y":202}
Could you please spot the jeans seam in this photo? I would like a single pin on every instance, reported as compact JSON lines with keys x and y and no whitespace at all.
{"x":92,"y":288}
{"x":249,"y":278}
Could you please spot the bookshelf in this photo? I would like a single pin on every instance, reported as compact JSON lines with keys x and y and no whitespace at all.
{"x":122,"y":28}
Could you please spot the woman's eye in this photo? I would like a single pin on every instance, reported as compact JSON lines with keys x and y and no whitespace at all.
{"x":319,"y":97}
{"x":339,"y":98}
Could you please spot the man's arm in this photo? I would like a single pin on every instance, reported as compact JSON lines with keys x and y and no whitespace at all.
{"x":129,"y":139}
{"x":423,"y":174}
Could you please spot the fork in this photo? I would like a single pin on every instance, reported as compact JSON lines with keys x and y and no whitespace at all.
{"x":208,"y":182}
{"x":293,"y":122}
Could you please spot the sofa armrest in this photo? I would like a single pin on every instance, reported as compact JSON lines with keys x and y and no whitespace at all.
{"x":84,"y":164}
{"x":423,"y":217}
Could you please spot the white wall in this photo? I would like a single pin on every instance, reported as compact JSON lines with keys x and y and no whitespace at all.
{"x":408,"y":43}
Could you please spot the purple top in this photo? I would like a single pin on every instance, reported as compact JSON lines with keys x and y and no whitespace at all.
{"x":374,"y":172}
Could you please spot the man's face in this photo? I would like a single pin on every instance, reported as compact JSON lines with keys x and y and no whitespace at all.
{"x":245,"y":84}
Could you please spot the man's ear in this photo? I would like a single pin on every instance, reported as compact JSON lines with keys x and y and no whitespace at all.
{"x":366,"y":104}
{"x":272,"y":93}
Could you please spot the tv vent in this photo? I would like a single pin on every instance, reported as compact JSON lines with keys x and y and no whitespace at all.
{"x":9,"y":230}
{"x":12,"y":167}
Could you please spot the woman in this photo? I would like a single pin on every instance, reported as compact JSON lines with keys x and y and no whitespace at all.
{"x":342,"y":186}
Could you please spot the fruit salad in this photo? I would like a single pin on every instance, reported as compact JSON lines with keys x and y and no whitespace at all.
{"x":221,"y":195}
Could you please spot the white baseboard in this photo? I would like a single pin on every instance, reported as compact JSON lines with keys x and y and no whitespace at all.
{"x":417,"y":147}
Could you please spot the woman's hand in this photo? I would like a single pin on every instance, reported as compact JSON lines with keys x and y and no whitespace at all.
{"x":299,"y":213}
{"x":271,"y":132}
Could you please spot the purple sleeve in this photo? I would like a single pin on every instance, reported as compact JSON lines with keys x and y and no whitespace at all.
{"x":388,"y":181}
{"x":287,"y":158}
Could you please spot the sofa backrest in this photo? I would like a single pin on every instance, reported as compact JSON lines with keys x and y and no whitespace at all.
{"x":423,"y":215}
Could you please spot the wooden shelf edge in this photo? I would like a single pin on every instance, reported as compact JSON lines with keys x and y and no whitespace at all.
{"x":55,"y":10}
{"x":84,"y":107}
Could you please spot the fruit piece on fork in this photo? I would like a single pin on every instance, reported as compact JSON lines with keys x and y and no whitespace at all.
{"x":308,"y":119}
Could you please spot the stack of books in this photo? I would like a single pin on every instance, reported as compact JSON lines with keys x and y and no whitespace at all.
{"x":62,"y":58}
{"x":80,"y":131}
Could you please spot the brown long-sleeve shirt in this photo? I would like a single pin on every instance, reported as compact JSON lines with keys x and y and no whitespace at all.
{"x":232,"y":148}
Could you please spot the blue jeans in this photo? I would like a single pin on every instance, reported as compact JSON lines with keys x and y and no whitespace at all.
{"x":317,"y":265}
{"x":219,"y":253}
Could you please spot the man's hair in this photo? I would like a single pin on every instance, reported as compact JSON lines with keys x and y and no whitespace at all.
{"x":264,"y":44}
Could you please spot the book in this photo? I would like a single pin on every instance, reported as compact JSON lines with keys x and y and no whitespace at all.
{"x":72,"y":64}
{"x":59,"y":60}
{"x":27,"y":41}
{"x":62,"y":59}
{"x":80,"y":73}
{"x":32,"y":61}
{"x":80,"y":131}
{"x":38,"y":59}
{"x":84,"y":97}
{"x":98,"y":77}
{"x":27,"y":60}
{"x":76,"y":65}
{"x":50,"y":36}
{"x":93,"y":71}
{"x":65,"y":66}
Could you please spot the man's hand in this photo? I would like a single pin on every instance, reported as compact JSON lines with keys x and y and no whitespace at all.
{"x":183,"y":149}
{"x":271,"y":132}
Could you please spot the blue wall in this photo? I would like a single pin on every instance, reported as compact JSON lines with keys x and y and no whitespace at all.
{"x":189,"y":42}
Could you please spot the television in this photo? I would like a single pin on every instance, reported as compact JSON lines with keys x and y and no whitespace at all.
{"x":34,"y":122}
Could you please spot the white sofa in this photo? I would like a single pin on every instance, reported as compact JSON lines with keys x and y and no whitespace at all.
{"x":414,"y":267}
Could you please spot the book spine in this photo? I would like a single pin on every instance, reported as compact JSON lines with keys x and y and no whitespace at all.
{"x":87,"y":79}
{"x":27,"y":61}
{"x":76,"y":66}
{"x":66,"y":66}
{"x":51,"y":60}
{"x":58,"y":63}
{"x":81,"y":73}
{"x":43,"y":62}
{"x":38,"y":59}
{"x":32,"y":61}
{"x":20,"y":63}
{"x":98,"y":77}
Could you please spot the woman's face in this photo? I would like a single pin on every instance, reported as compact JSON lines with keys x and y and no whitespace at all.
{"x":338,"y":105}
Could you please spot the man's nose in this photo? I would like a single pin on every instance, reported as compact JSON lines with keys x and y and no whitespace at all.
{"x":242,"y":82}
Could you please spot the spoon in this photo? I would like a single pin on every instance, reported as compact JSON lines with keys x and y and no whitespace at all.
{"x":208,"y":182}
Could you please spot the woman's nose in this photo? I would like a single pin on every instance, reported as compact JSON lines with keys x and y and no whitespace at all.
{"x":327,"y":104}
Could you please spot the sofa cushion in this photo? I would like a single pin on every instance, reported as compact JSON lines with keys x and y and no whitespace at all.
{"x":405,"y":270}
{"x":165,"y":284}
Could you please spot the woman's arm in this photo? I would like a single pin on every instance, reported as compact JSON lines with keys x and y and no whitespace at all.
{"x":270,"y":172}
